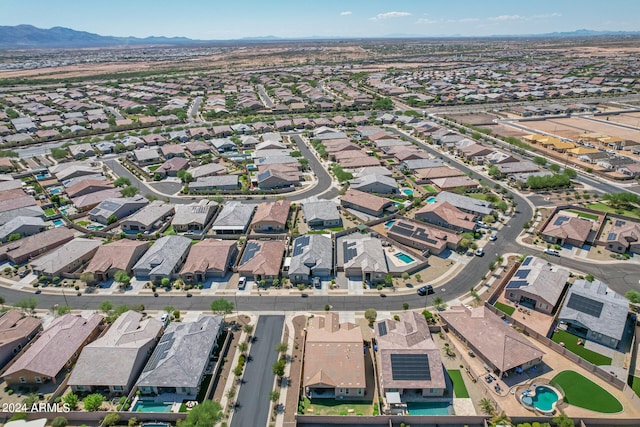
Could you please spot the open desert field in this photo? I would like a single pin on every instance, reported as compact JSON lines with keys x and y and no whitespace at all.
{"x":572,"y":127}
{"x":629,"y":119}
{"x":478,"y":119}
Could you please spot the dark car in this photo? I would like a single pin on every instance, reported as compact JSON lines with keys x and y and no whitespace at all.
{"x":425,"y":290}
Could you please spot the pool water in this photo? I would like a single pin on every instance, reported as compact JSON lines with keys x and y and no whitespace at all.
{"x":58,"y":222}
{"x":404,"y":258}
{"x":151,"y":406}
{"x":408,"y":191}
{"x":544,"y":398}
{"x":430,"y":408}
{"x":388,"y":224}
{"x":55,"y":191}
{"x":431,"y":199}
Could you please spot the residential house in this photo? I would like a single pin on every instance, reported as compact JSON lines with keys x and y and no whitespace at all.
{"x":365,"y":202}
{"x":595,"y":312}
{"x":234,"y":218}
{"x":120,"y":255}
{"x":623,"y":236}
{"x":334,"y":360}
{"x":170,"y":151}
{"x":21,"y":251}
{"x":210,"y":169}
{"x":117,"y":208}
{"x":538,"y":285}
{"x":215,"y":183}
{"x":223,"y":145}
{"x":172,"y":166}
{"x":193,"y":217}
{"x":261,"y":259}
{"x":16,"y":331}
{"x":209,"y":258}
{"x":21,"y":226}
{"x":423,"y":236}
{"x":163,"y":259}
{"x":312,"y":256}
{"x":119,"y":354}
{"x":321,"y":214}
{"x":362,"y":256}
{"x":32,"y":211}
{"x":402,"y":343}
{"x":454,"y":182}
{"x":81,"y":151}
{"x":380,"y":184}
{"x":91,"y":200}
{"x":196,"y":148}
{"x":55,"y":350}
{"x":478,"y":208}
{"x":444,"y":214}
{"x":87,"y":186}
{"x":271,"y":216}
{"x":146,"y":156}
{"x":517,"y":167}
{"x":181,"y":358}
{"x":149,"y":218}
{"x":497,"y":344}
{"x":278,"y":176}
{"x":566,"y":229}
{"x":66,"y":258}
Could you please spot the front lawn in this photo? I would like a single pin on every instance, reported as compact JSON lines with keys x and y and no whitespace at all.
{"x":504,"y":308}
{"x":154,"y":168}
{"x":49,"y":212}
{"x":571,"y":343}
{"x":478,"y":196}
{"x":459,"y":388}
{"x":584,"y":393}
{"x":169,"y":231}
{"x":602,"y":207}
{"x":429,"y":188}
{"x":336,"y":407}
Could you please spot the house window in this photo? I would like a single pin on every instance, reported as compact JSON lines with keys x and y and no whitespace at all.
{"x":512,"y":295}
{"x":359,"y":391}
{"x":433,"y":390}
{"x":118,"y":388}
{"x":346,"y":391}
{"x":38,"y":380}
{"x":22,"y":380}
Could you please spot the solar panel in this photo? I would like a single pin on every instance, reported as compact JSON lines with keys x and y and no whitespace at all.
{"x":404,"y":225}
{"x":410,"y":367}
{"x":561,"y":220}
{"x":160,"y":352}
{"x":401,"y":231}
{"x":527,"y":261}
{"x":382,"y":329}
{"x":299,"y":245}
{"x":612,"y":236}
{"x":620,"y":222}
{"x":249,"y":251}
{"x":109,"y":205}
{"x":522,"y":274}
{"x":264,"y":175}
{"x":515,"y":284}
{"x":585,"y":305}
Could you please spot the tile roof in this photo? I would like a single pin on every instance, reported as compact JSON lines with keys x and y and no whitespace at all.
{"x":209,"y":255}
{"x":276,"y":212}
{"x":115,"y":255}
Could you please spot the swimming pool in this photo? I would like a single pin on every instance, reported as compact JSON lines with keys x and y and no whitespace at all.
{"x":544,"y":399}
{"x":408,"y":191}
{"x":151,"y":406}
{"x":430,"y":408}
{"x":58,"y":222}
{"x":431,"y":199}
{"x":404,"y":258}
{"x":42,"y":176}
{"x":55,"y":191}
{"x":388,"y":224}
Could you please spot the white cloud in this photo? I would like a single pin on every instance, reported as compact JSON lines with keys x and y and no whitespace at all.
{"x":547,"y":15}
{"x":463,"y":20}
{"x":388,"y":15}
{"x":345,"y":13}
{"x":506,"y":18}
{"x":426,"y":21}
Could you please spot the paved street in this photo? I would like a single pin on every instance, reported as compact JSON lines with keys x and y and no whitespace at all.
{"x":258,"y":378}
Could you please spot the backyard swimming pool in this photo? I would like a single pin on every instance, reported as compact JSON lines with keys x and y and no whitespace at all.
{"x":151,"y":406}
{"x":408,"y":191}
{"x":544,"y":398}
{"x":388,"y":224}
{"x":431,"y":199}
{"x":58,"y":222}
{"x":430,"y":408}
{"x":404,"y":258}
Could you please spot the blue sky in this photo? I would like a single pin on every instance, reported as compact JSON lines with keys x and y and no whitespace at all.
{"x":215,"y":19}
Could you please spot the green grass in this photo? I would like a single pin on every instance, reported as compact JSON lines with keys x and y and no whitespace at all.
{"x":571,"y":343}
{"x":338,"y":407}
{"x":49,"y":212}
{"x":429,"y":188}
{"x":335,"y":229}
{"x":169,"y":231}
{"x":83,"y":223}
{"x":154,"y":168}
{"x":635,"y":385}
{"x":504,"y":308}
{"x":478,"y":196}
{"x":459,"y":388}
{"x":602,"y":207}
{"x":585,"y":215}
{"x":584,"y":393}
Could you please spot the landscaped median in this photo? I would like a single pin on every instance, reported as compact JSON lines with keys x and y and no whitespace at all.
{"x":584,"y":393}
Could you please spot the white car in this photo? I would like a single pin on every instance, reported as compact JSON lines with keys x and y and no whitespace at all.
{"x":480,"y":252}
{"x":242,"y":283}
{"x":493,"y":237}
{"x":552,"y":252}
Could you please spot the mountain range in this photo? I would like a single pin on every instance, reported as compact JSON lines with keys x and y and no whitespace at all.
{"x":30,"y":37}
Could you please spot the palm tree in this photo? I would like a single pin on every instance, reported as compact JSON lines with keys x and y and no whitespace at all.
{"x":487,"y":406}
{"x":501,"y":419}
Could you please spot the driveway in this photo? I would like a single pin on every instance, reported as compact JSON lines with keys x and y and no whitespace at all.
{"x":258,"y":377}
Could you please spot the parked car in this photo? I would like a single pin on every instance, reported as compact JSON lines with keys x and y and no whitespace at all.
{"x":493,"y":237}
{"x":24,"y":273}
{"x":480,"y":252}
{"x":317,"y":283}
{"x":552,"y":252}
{"x":242,"y":283}
{"x":426,"y":290}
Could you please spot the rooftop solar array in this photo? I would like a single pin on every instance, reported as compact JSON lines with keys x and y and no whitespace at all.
{"x":585,"y":305}
{"x":199,"y":209}
{"x":561,"y":220}
{"x":409,"y":230}
{"x":517,"y":284}
{"x":160,"y":352}
{"x":527,"y":261}
{"x":620,"y":222}
{"x":612,"y":236}
{"x":522,"y":274}
{"x":382,"y":329}
{"x":264,"y":175}
{"x":410,"y":367}
{"x":299,"y":245}
{"x":249,"y":251}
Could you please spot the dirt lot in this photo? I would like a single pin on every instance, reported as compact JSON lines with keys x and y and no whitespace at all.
{"x":506,"y":131}
{"x":572,"y":127}
{"x":631,"y":119}
{"x":474,"y":119}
